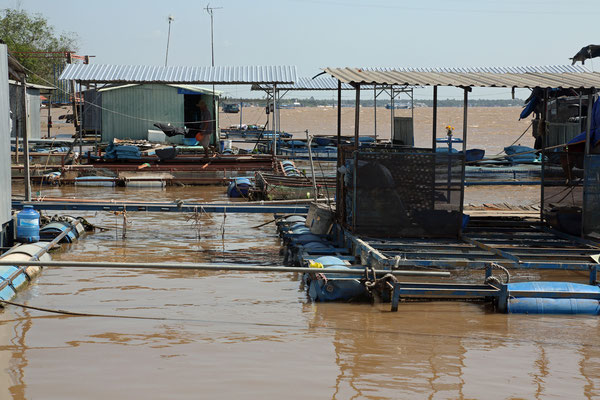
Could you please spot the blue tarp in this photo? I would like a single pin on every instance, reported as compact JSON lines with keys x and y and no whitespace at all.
{"x":595,"y":128}
{"x":122,"y":152}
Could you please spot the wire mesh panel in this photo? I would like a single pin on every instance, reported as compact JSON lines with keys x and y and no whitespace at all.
{"x":403,"y":192}
{"x":563,"y":189}
{"x":591,"y":195}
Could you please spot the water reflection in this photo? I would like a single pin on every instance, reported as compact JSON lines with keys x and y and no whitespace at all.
{"x":454,"y":350}
{"x":257,"y":335}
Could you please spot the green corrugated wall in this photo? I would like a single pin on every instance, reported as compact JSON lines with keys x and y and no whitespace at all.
{"x":129,"y":112}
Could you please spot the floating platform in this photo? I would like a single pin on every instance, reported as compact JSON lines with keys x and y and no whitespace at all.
{"x":511,"y":242}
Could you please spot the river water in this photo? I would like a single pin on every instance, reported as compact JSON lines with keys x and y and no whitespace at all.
{"x":255,"y":335}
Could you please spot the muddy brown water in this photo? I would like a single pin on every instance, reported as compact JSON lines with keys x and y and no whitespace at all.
{"x":255,"y":335}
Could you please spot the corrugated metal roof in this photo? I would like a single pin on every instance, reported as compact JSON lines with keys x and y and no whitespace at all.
{"x":557,"y":76}
{"x":304,"y":83}
{"x":322,"y":82}
{"x":191,"y":88}
{"x":95,"y":73}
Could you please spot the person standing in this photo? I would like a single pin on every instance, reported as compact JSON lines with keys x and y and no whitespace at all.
{"x":203,"y":126}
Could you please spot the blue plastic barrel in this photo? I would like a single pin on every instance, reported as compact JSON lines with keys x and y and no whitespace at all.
{"x":545,"y":305}
{"x":28,"y":225}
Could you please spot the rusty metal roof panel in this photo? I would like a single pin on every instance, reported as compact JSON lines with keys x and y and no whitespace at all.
{"x":554,"y":76}
{"x":96,"y":73}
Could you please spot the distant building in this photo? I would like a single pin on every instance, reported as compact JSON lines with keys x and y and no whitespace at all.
{"x":33,"y":108}
{"x":129,"y":111}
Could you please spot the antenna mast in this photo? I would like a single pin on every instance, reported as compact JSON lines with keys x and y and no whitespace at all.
{"x":210,"y":10}
{"x":171,"y":19}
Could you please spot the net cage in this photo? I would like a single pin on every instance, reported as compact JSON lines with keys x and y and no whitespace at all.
{"x":571,"y":192}
{"x":401,"y":192}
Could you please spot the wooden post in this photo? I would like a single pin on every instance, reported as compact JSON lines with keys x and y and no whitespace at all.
{"x":25,"y":128}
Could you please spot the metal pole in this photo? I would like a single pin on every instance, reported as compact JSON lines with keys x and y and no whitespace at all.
{"x":49,"y":113}
{"x":588,"y":123}
{"x":79,"y":125}
{"x":588,"y":129}
{"x":375,"y":111}
{"x":392,"y":111}
{"x":464,"y":153}
{"x":356,"y":117}
{"x":412,"y":112}
{"x":212,"y":267}
{"x":25,"y":128}
{"x":312,"y":165}
{"x":274,"y":120}
{"x":212,"y":47}
{"x":543,"y":133}
{"x":169,"y":39}
{"x":434,"y":127}
{"x":338,"y":175}
{"x":339,"y":115}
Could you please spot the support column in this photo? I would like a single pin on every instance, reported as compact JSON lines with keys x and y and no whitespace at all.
{"x":588,"y":129}
{"x":356,"y":117}
{"x":542,"y":129}
{"x":274,"y":114}
{"x":434,"y":127}
{"x":375,"y":112}
{"x":464,"y":152}
{"x":25,"y":128}
{"x":338,"y":187}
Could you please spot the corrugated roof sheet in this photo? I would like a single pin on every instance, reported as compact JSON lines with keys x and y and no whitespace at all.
{"x":192,"y":88}
{"x":303,"y":83}
{"x":322,"y":82}
{"x":556,"y":76}
{"x":95,"y":73}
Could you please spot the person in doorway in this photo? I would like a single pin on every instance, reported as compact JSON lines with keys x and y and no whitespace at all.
{"x":202,"y":126}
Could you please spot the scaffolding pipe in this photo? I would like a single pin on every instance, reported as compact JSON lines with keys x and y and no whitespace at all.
{"x":214,"y":267}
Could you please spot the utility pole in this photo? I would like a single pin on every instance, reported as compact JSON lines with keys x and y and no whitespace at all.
{"x":171,"y":19}
{"x":210,"y":10}
{"x":215,"y":112}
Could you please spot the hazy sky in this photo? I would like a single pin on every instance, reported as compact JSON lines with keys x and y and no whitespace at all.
{"x":313,"y":33}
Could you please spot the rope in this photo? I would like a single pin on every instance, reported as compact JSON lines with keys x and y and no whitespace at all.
{"x":494,"y":278}
{"x":519,"y":138}
{"x":310,"y":326}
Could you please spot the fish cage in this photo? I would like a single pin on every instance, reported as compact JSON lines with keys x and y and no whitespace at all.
{"x":571,"y":191}
{"x":401,"y":192}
